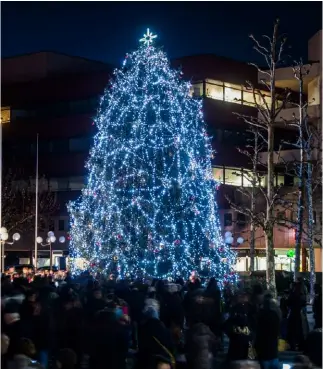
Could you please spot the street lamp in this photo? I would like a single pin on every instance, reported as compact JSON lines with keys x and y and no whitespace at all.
{"x":4,"y":236}
{"x":229,"y":240}
{"x":50,"y":239}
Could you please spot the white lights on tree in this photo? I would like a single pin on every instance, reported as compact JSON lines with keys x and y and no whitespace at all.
{"x":149,"y":207}
{"x":16,"y":237}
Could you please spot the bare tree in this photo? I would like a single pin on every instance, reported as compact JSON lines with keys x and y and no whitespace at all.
{"x":19,"y":204}
{"x":308,"y":170}
{"x":265,"y":121}
{"x":253,"y":192}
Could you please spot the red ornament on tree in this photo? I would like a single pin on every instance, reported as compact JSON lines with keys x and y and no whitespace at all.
{"x":177,"y":242}
{"x":119,"y":236}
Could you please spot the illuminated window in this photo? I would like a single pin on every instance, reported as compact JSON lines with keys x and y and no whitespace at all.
{"x":196,"y":90}
{"x":214,"y":89}
{"x":218,"y":174}
{"x":280,"y":180}
{"x":232,"y":176}
{"x":248,"y":98}
{"x":247,"y":178}
{"x":5,"y":115}
{"x":232,"y":93}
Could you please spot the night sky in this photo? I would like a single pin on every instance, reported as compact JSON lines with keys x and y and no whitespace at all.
{"x":105,"y":31}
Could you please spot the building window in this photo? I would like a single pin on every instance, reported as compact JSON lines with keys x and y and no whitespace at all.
{"x":288,"y":180}
{"x":232,"y":176}
{"x":281,"y":218}
{"x":227,"y":219}
{"x":76,"y":183}
{"x":5,"y":115}
{"x":218,"y":174}
{"x":214,"y":89}
{"x":232,"y":93}
{"x":241,"y":220}
{"x":280,"y":180}
{"x":196,"y":90}
{"x":61,"y":225}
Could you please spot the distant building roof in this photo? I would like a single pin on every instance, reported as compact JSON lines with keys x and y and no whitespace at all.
{"x":27,"y":67}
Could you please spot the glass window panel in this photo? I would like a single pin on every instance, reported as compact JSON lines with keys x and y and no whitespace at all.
{"x":232,"y":95}
{"x":232,"y":85}
{"x":61,"y":224}
{"x":248,"y":98}
{"x":76,"y":183}
{"x":247,"y":178}
{"x":196,"y":90}
{"x":214,"y":91}
{"x":233,"y":176}
{"x":5,"y":115}
{"x":218,"y":174}
{"x":280,"y":180}
{"x":227,"y":219}
{"x":263,"y":181}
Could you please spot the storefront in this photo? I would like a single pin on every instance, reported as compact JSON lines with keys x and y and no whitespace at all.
{"x":283,"y":260}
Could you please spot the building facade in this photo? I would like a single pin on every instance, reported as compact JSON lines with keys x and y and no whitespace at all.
{"x":55,"y":96}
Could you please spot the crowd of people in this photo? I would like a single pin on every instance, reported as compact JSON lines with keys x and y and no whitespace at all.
{"x":152,"y":324}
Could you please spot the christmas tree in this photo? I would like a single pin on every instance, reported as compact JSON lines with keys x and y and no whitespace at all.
{"x":149,"y":208}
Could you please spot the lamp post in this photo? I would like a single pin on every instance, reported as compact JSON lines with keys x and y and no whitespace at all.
{"x":229,"y":240}
{"x":50,"y":239}
{"x":4,"y":236}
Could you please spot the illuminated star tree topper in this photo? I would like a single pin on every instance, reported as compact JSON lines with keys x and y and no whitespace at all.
{"x":148,"y":38}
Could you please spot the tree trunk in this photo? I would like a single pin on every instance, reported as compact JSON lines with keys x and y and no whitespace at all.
{"x":252,"y":247}
{"x":269,"y":229}
{"x":301,"y":183}
{"x":253,"y":202}
{"x":309,"y":193}
{"x":270,"y":261}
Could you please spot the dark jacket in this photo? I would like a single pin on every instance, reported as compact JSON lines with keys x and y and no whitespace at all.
{"x":267,"y":334}
{"x":239,"y":333}
{"x":154,"y":339}
{"x":200,"y":345}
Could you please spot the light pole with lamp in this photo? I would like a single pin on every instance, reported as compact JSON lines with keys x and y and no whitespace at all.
{"x":50,"y":239}
{"x":4,"y":236}
{"x":229,"y":240}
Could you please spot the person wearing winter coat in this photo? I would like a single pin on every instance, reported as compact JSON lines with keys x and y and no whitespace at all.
{"x":200,"y":345}
{"x":239,"y":333}
{"x":154,"y":339}
{"x":267,"y":334}
{"x":110,"y":340}
{"x":297,"y":325}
